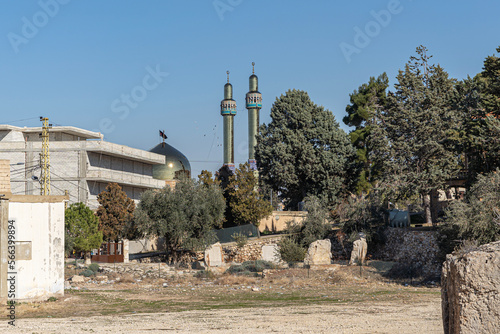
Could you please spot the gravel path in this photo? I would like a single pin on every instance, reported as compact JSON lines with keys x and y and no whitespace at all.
{"x":339,"y":318}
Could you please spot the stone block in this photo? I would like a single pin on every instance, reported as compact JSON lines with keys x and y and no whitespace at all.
{"x":319,"y":252}
{"x":214,"y":255}
{"x":77,"y":279}
{"x":271,"y":253}
{"x":470,"y":291}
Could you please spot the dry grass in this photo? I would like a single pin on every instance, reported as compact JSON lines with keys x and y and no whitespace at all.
{"x":127,"y":278}
{"x":235,"y":280}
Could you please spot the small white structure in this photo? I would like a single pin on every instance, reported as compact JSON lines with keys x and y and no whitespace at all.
{"x":31,"y":244}
{"x":214,"y":256}
{"x":271,"y":253}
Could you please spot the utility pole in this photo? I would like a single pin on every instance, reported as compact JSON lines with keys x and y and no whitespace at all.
{"x":45,"y":158}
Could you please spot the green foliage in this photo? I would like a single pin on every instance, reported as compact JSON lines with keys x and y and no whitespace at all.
{"x":87,"y":273}
{"x":364,"y":102}
{"x":207,"y":274}
{"x":94,"y":267}
{"x":415,"y":137}
{"x":185,"y":216}
{"x":475,"y":219}
{"x":250,"y":267}
{"x":364,"y":215}
{"x":206,"y":178}
{"x":302,"y":151}
{"x":82,"y":228}
{"x":315,"y":226}
{"x":479,"y":103}
{"x":246,"y":203}
{"x":52,"y":299}
{"x":240,"y":239}
{"x":290,"y":250}
{"x":114,"y":211}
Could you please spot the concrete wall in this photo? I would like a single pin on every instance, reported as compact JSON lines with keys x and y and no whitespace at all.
{"x":278,"y":220}
{"x":39,"y":247}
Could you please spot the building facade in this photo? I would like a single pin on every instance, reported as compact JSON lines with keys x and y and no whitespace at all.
{"x":81,"y":163}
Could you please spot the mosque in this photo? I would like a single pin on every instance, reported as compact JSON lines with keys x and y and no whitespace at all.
{"x":82,"y":163}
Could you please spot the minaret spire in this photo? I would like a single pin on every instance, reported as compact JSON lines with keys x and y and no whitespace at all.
{"x":253,"y":104}
{"x":228,"y":111}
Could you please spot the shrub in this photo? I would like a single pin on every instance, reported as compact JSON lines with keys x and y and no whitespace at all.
{"x":94,"y":267}
{"x":240,"y":239}
{"x":291,"y":251}
{"x":204,"y":274}
{"x":247,"y":268}
{"x":87,"y":273}
{"x":476,"y":219}
{"x":364,"y":215}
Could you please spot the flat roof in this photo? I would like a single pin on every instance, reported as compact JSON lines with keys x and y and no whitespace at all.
{"x":64,"y":129}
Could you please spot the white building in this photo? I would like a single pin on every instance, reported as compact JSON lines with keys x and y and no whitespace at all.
{"x":81,"y":162}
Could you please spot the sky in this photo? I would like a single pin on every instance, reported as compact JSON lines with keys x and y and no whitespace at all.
{"x":130,"y":68}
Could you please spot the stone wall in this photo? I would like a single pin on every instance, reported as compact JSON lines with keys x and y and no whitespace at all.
{"x":470,"y":290}
{"x":250,"y":252}
{"x":410,"y":246}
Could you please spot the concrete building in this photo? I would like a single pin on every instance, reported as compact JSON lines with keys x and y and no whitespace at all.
{"x":81,"y":162}
{"x":31,"y":244}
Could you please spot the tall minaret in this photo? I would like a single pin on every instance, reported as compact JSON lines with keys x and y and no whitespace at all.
{"x":254,"y":104}
{"x":228,"y":111}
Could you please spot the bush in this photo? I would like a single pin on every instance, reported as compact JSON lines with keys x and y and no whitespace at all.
{"x":204,"y":274}
{"x":365,"y":215}
{"x":240,"y":239}
{"x":291,"y":251}
{"x":249,"y":267}
{"x":94,"y":267}
{"x":87,"y":273}
{"x":476,"y":219}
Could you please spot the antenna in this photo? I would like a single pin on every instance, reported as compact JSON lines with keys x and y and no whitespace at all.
{"x":227,"y":76}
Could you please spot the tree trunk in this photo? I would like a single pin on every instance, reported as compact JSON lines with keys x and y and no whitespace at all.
{"x":427,"y":208}
{"x":434,"y":206}
{"x":88,"y":259}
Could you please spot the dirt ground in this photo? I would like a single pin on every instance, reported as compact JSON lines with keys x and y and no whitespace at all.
{"x":329,"y":299}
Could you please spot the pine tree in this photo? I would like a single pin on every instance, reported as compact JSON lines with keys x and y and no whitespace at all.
{"x":415,"y":136}
{"x":302,"y":151}
{"x":114,"y":212}
{"x":364,"y":103}
{"x":480,"y":106}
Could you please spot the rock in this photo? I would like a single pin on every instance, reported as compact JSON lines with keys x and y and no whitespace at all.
{"x":359,"y":249}
{"x":77,"y":279}
{"x":198,"y":265}
{"x":319,"y":252}
{"x":214,"y":256}
{"x":255,"y":289}
{"x":271,"y":253}
{"x":470,"y":291}
{"x":101,"y":278}
{"x":67,"y":285}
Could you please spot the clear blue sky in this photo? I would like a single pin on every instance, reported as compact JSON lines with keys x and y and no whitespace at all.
{"x":73,"y":62}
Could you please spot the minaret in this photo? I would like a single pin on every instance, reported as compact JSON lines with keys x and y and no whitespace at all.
{"x":228,"y":111}
{"x":254,"y":104}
